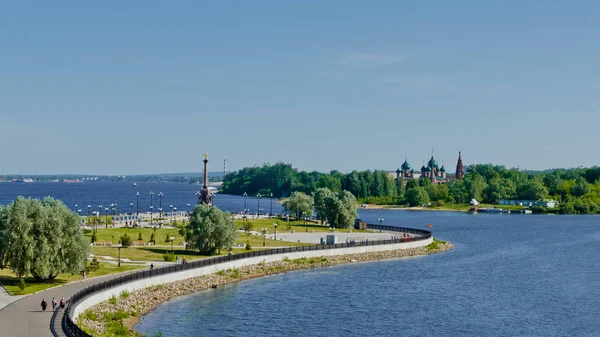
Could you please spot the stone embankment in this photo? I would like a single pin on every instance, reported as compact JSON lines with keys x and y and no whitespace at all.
{"x":121,"y":313}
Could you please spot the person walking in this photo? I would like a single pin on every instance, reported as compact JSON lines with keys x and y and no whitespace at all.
{"x":62,"y":303}
{"x":54,"y":303}
{"x":151,"y":266}
{"x":44,"y":304}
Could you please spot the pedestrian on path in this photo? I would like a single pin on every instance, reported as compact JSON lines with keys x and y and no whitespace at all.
{"x":54,"y":303}
{"x":62,"y":303}
{"x":151,"y":266}
{"x":44,"y":304}
{"x":84,"y":275}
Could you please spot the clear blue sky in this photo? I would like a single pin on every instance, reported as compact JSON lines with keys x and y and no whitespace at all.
{"x":125,"y":87}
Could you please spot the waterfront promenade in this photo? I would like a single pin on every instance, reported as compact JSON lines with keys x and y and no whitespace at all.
{"x":25,"y":318}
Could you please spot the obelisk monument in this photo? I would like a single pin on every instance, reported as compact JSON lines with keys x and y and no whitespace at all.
{"x":205,"y":197}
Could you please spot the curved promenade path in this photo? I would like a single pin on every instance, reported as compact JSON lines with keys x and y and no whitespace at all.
{"x":25,"y":318}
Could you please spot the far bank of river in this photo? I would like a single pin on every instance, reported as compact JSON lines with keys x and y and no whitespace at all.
{"x":128,"y":308}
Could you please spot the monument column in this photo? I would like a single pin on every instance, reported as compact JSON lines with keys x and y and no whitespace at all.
{"x":205,"y":197}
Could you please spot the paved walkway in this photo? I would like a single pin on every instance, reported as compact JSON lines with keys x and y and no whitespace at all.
{"x":25,"y":318}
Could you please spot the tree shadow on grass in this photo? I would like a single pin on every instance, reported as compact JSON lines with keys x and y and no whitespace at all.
{"x":163,"y":250}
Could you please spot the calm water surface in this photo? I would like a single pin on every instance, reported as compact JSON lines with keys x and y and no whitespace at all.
{"x":509,"y":275}
{"x":123,"y":194}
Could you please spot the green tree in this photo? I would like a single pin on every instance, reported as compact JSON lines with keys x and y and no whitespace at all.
{"x":42,"y":238}
{"x":475,"y":184}
{"x":581,"y":188}
{"x":417,"y":196}
{"x":458,"y":192}
{"x":338,"y":209}
{"x":125,"y":240}
{"x":330,"y":181}
{"x":210,"y":230}
{"x":322,"y":197}
{"x":300,"y":203}
{"x":533,"y":190}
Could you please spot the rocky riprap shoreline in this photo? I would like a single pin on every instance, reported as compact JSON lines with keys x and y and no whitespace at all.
{"x":118,"y":315}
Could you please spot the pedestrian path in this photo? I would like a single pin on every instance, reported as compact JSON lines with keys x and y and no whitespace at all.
{"x":25,"y":318}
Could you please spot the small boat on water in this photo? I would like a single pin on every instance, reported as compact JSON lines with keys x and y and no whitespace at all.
{"x":134,"y":184}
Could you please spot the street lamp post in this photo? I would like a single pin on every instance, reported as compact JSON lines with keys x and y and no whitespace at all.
{"x":106,"y":216}
{"x":76,"y":207}
{"x":119,"y":246}
{"x":151,"y":205}
{"x":171,"y":207}
{"x":245,"y":196}
{"x":275,"y":226}
{"x":131,"y":208}
{"x":137,"y":201}
{"x":174,"y":215}
{"x":380,"y":223}
{"x":172,"y":238}
{"x":258,"y":205}
{"x":160,"y":196}
{"x":89,"y":210}
{"x":99,"y":214}
{"x":264,"y":233}
{"x":271,"y":212}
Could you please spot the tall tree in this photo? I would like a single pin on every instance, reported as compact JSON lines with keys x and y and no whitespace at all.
{"x":300,"y":203}
{"x":210,"y":230}
{"x":338,"y":209}
{"x":417,"y":196}
{"x":42,"y":238}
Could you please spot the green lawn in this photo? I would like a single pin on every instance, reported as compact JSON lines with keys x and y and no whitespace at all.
{"x":152,"y":253}
{"x":282,"y":226}
{"x":113,"y":235}
{"x":11,"y":282}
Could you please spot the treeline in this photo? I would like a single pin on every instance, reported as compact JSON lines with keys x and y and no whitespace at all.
{"x":578,"y":190}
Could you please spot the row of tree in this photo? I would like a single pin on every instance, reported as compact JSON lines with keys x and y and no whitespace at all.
{"x":338,"y":209}
{"x":577,"y":189}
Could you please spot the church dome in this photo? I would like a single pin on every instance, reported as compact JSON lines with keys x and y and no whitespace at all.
{"x":405,"y":165}
{"x":423,"y":168}
{"x":412,"y":171}
{"x":427,"y":169}
{"x":432,"y":163}
{"x":398,"y":171}
{"x":443,"y":169}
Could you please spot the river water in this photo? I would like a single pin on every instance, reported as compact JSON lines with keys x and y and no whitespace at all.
{"x":96,"y":193}
{"x":509,"y":275}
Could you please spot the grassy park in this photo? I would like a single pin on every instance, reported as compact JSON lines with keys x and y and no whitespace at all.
{"x":11,"y":282}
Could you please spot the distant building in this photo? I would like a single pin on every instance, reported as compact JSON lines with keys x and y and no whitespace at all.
{"x":529,"y":203}
{"x":432,"y":171}
{"x":460,"y":169}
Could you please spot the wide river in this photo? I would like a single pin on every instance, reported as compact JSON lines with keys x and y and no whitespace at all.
{"x":509,"y":275}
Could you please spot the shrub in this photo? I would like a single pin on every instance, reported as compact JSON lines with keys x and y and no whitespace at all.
{"x":169,"y":257}
{"x":125,"y":240}
{"x":112,"y":300}
{"x":87,"y":231}
{"x":140,"y":238}
{"x":247,"y":227}
{"x":92,"y":265}
{"x":90,"y":314}
{"x":248,"y":245}
{"x":124,"y":293}
{"x":152,"y":238}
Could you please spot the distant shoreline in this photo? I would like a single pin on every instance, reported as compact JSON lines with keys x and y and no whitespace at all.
{"x":417,"y":208}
